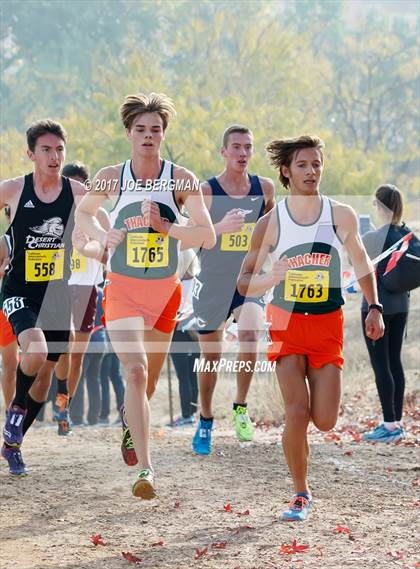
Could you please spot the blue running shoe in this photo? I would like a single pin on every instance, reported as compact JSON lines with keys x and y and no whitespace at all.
{"x":12,"y":430}
{"x":201,"y":443}
{"x":381,"y":434}
{"x":299,"y":507}
{"x":14,"y":458}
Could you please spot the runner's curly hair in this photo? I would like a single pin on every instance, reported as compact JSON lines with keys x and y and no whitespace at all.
{"x":281,"y":151}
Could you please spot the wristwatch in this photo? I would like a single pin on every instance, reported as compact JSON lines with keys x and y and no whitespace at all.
{"x":376,"y":307}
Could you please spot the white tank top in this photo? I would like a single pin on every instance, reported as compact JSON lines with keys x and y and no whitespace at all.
{"x":313,"y":282}
{"x":85,"y":271}
{"x":145,"y":253}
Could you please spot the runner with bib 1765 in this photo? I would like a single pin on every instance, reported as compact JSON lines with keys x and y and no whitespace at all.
{"x":143,"y":291}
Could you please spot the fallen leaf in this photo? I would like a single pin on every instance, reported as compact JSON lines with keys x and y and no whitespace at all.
{"x":130,"y":557}
{"x":415,"y":482}
{"x":343,"y":529}
{"x":320,"y":551}
{"x":200,"y":552}
{"x":96,"y":539}
{"x":177,"y":504}
{"x":219,"y":545}
{"x":415,"y":504}
{"x":292,"y":548}
{"x":160,"y":542}
{"x":395,"y":554}
{"x":348,"y":453}
{"x":228,"y":507}
{"x":357,"y":437}
{"x":245,"y":513}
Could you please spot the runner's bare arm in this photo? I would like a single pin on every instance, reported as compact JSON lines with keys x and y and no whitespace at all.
{"x":10,"y":192}
{"x":347,"y":227}
{"x":268,"y":189}
{"x":201,"y":231}
{"x":89,"y":247}
{"x":4,"y":255}
{"x":250,"y":282}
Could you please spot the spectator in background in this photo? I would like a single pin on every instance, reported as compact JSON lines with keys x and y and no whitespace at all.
{"x":184,"y":347}
{"x":385,"y":353}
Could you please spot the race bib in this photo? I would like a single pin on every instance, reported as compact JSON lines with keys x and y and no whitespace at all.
{"x":306,"y":286}
{"x":12,"y":304}
{"x":44,"y":265}
{"x":239,"y":241}
{"x":78,"y":262}
{"x":147,"y":250}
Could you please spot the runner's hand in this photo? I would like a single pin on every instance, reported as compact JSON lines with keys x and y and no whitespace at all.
{"x":114,"y":237}
{"x":279,"y":270}
{"x":374,"y":325}
{"x":79,"y":239}
{"x":232,"y":222}
{"x":151,"y":210}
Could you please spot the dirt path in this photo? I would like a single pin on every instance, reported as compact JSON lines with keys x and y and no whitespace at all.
{"x":79,"y":486}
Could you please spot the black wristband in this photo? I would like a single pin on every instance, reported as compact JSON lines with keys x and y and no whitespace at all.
{"x":376,"y":307}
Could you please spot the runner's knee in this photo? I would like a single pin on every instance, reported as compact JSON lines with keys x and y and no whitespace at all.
{"x":325,"y":423}
{"x":298,"y":414}
{"x":136,"y":373}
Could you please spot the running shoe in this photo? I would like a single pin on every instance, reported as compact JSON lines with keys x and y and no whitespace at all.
{"x":63,"y":415}
{"x":299,"y":507}
{"x":127,"y":447}
{"x":182,"y":421}
{"x":12,"y":430}
{"x":243,"y":425}
{"x":14,"y":458}
{"x":381,"y":434}
{"x":143,"y":487}
{"x":201,"y":442}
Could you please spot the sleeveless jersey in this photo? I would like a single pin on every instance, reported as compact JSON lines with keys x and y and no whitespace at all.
{"x":313,"y":281}
{"x":40,"y":236}
{"x":84,"y":270}
{"x":225,"y":258}
{"x":145,"y":253}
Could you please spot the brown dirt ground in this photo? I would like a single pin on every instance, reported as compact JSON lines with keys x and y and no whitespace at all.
{"x":79,"y":486}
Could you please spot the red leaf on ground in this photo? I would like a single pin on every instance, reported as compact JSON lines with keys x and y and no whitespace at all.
{"x":348,"y":453}
{"x":219,"y":545}
{"x":415,"y":504}
{"x":292,"y":548}
{"x":320,"y":551}
{"x":228,"y":507}
{"x":200,"y":552}
{"x":177,"y":504}
{"x":342,"y":529}
{"x":130,"y":557}
{"x":357,"y":437}
{"x":245,"y":513}
{"x":96,"y":539}
{"x":395,"y":554}
{"x":160,"y":542}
